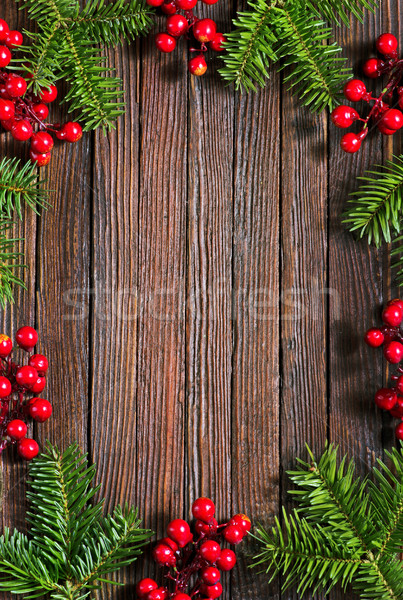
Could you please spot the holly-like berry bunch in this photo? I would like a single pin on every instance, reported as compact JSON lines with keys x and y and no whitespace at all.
{"x":194,"y":562}
{"x":197,"y":31}
{"x":382,"y":112}
{"x":390,"y":335}
{"x":19,"y":386}
{"x":23,"y":113}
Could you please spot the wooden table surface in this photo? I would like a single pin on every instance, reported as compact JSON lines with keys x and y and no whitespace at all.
{"x":199,"y":299}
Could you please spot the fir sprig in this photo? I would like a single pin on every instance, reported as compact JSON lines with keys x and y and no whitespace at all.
{"x":72,"y":547}
{"x":345,"y":531}
{"x":9,"y":264}
{"x":291,"y":33}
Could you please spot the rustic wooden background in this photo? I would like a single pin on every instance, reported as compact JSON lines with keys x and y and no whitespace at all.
{"x":199,"y":299}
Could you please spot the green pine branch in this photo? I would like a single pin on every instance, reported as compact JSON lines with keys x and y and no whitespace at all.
{"x":292,"y":34}
{"x":345,"y":531}
{"x":67,"y":47}
{"x":72,"y":547}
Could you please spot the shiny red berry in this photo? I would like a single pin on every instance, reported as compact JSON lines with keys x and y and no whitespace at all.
{"x":42,"y":142}
{"x":385,"y":398}
{"x":5,"y":387}
{"x":6,"y":345}
{"x":372,"y":68}
{"x":17,"y":429}
{"x":242,"y":521}
{"x":392,"y":315}
{"x":13,"y":39}
{"x":160,"y":593}
{"x":399,"y":431}
{"x":209,"y":1}
{"x":350,"y":143}
{"x":70,"y":132}
{"x":203,"y":509}
{"x":374,"y":337}
{"x":197,"y":65}
{"x":177,"y":25}
{"x":41,"y":159}
{"x":41,"y":111}
{"x":39,"y":385}
{"x":204,"y":30}
{"x":169,"y":8}
{"x":233,"y":534}
{"x":5,"y":56}
{"x":398,"y":303}
{"x":26,"y":376}
{"x":168,"y":542}
{"x":203,"y":528}
{"x":227,"y":560}
{"x":4,"y":29}
{"x":211,"y":591}
{"x":145,"y":586}
{"x":22,"y":130}
{"x":180,"y":596}
{"x":386,"y":44}
{"x":393,"y":352}
{"x":7,"y":109}
{"x":393,"y":119}
{"x":210,"y":575}
{"x":383,"y":129}
{"x":39,"y":362}
{"x":154,"y":3}
{"x":186,"y":4}
{"x":26,"y":338}
{"x":210,"y":551}
{"x":218,"y":41}
{"x":354,"y":90}
{"x":48,"y":95}
{"x":179,"y":531}
{"x":164,"y":555}
{"x":15,"y":86}
{"x":344,"y":116}
{"x":165,"y":42}
{"x":40,"y":410}
{"x":28,"y":449}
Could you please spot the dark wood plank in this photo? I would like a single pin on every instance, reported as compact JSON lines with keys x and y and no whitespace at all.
{"x":256,"y":365}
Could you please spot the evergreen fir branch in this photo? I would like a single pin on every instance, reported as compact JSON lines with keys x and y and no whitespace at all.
{"x":338,"y":10}
{"x":72,"y":547}
{"x":111,"y":23}
{"x":376,"y":206}
{"x":380,"y":580}
{"x":397,"y":258}
{"x":18,"y":186}
{"x":9,"y":264}
{"x":41,"y":58}
{"x":50,"y":10}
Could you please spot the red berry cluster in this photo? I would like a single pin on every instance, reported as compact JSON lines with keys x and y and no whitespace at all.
{"x":382,"y":113}
{"x":18,"y":388}
{"x":24,"y":113}
{"x":391,"y":336}
{"x":177,"y":25}
{"x":195,"y":562}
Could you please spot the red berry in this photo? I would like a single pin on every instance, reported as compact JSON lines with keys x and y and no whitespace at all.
{"x":154,"y":3}
{"x":48,"y":95}
{"x":5,"y":56}
{"x":41,"y":410}
{"x":5,"y":387}
{"x":177,"y":25}
{"x":41,"y":110}
{"x":372,"y":68}
{"x":211,"y":591}
{"x":393,"y":119}
{"x":389,"y":333}
{"x":206,"y":528}
{"x":168,"y":542}
{"x":160,"y":593}
{"x":374,"y":337}
{"x":179,"y":531}
{"x":210,"y":551}
{"x":209,"y":1}
{"x":164,"y":555}
{"x":392,"y":315}
{"x":186,"y":4}
{"x":197,"y":65}
{"x":383,"y":129}
{"x":169,"y":8}
{"x":354,"y":90}
{"x":26,"y":376}
{"x":39,"y":385}
{"x":233,"y":534}
{"x":398,"y":303}
{"x":17,"y":429}
{"x":344,"y":116}
{"x":180,"y":596}
{"x":15,"y":85}
{"x":7,"y":109}
{"x":39,"y":362}
{"x":203,"y":509}
{"x":386,"y":44}
{"x":350,"y":143}
{"x":4,"y":29}
{"x":227,"y":560}
{"x":42,"y":142}
{"x":204,"y":30}
{"x":27,"y":338}
{"x":210,"y":575}
{"x":241,"y":521}
{"x":41,"y":159}
{"x":70,"y":132}
{"x":21,"y":130}
{"x":27,"y":449}
{"x":145,"y":586}
{"x":393,"y":352}
{"x":218,"y":41}
{"x":14,"y":38}
{"x":165,"y":42}
{"x":8,"y":124}
{"x":399,"y":431}
{"x":6,"y":345}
